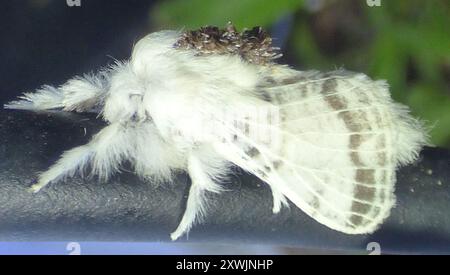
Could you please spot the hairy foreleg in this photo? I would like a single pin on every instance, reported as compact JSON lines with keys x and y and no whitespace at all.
{"x":81,"y":94}
{"x":196,"y":202}
{"x":105,"y":151}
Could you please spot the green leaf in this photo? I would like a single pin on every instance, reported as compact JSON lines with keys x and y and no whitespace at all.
{"x":387,"y":61}
{"x":431,"y":104}
{"x":305,"y":48}
{"x":243,"y":13}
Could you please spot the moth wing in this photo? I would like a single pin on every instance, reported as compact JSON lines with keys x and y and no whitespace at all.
{"x":333,"y":150}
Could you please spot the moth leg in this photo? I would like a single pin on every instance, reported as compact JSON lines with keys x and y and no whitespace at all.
{"x":196,"y":202}
{"x":81,"y":94}
{"x":278,"y":200}
{"x":98,"y":149}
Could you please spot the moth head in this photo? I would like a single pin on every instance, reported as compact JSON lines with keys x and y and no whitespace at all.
{"x":170,"y":61}
{"x":124,"y":96}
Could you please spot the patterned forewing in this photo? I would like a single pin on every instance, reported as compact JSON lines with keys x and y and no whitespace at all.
{"x":333,"y":156}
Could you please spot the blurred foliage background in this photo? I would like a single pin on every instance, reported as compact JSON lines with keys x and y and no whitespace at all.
{"x":405,"y":42}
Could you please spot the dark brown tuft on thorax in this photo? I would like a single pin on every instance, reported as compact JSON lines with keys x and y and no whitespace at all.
{"x":254,"y":46}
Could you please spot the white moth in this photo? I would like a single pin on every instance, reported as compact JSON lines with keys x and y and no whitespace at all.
{"x":199,"y":101}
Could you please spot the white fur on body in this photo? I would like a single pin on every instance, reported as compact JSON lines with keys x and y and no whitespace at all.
{"x":334,"y":152}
